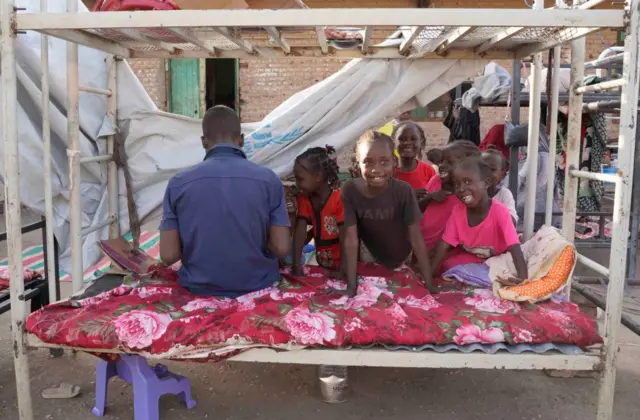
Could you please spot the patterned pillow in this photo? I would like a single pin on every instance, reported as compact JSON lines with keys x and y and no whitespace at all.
{"x":544,"y":287}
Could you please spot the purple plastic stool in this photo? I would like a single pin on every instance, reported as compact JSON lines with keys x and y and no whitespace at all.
{"x":149,"y":384}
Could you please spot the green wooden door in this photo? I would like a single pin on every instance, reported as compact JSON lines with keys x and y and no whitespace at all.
{"x":185,"y":87}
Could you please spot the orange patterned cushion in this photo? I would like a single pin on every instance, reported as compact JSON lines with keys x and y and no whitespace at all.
{"x":542,"y":288}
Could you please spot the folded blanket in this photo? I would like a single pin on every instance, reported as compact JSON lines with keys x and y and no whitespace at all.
{"x":541,"y":253}
{"x":476,"y":275}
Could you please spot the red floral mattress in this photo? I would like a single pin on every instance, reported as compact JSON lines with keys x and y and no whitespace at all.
{"x":162,"y":319}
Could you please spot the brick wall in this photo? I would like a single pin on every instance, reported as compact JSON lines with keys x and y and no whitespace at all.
{"x":265,"y":84}
{"x":151,"y":73}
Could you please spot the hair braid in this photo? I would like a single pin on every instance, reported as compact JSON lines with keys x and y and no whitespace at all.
{"x":320,"y":161}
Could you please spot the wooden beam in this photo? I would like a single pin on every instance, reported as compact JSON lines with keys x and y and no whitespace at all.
{"x":322,"y":39}
{"x":278,"y":38}
{"x":137,"y":36}
{"x":239,"y":42}
{"x":442,"y":45}
{"x":90,"y":40}
{"x":563,"y":36}
{"x":366,"y":39}
{"x":405,"y":47}
{"x":307,"y":52}
{"x":189,"y":36}
{"x":499,"y":18}
{"x":499,"y":37}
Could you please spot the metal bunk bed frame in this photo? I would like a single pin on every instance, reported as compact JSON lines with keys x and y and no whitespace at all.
{"x":225,"y":33}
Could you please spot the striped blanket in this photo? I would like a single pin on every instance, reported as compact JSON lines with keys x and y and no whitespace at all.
{"x":33,"y":257}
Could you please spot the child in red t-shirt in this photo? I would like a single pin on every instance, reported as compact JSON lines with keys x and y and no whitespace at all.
{"x":479,"y":227}
{"x":410,"y":142}
{"x":319,"y":205}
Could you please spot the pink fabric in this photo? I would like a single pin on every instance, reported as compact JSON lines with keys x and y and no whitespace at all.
{"x":436,"y":215}
{"x":493,"y":236}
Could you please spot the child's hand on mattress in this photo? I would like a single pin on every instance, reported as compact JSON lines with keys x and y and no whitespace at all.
{"x":297,"y":270}
{"x":346,"y":292}
{"x":509,"y":281}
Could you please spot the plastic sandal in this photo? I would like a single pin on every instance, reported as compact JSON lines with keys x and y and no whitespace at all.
{"x":63,"y":391}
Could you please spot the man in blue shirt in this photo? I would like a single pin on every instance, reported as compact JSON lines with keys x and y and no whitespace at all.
{"x":225,"y":218}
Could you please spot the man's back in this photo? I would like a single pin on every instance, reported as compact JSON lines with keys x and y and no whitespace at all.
{"x":223,"y":208}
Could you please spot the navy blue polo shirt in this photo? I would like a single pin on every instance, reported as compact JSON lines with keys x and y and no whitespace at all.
{"x":223,"y":208}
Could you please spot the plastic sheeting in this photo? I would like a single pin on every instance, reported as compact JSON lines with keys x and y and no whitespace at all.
{"x":364,"y":94}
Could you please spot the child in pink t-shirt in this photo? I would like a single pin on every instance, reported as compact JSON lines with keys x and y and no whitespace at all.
{"x":440,"y":199}
{"x":479,"y":227}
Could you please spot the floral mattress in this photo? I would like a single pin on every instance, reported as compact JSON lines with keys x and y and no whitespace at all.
{"x":160,"y":319}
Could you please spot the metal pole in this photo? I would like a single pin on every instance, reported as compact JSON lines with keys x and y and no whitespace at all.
{"x":621,"y":208}
{"x":635,"y":214}
{"x":515,"y":119}
{"x":73,"y":151}
{"x":574,"y":140}
{"x":46,"y":139}
{"x":553,"y":134}
{"x":12,"y":207}
{"x":112,"y":178}
{"x":532,"y":146}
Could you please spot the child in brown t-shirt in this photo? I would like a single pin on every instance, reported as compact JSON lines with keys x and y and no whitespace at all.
{"x":381,"y":212}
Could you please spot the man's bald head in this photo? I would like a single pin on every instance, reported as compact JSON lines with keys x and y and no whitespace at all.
{"x":221,"y":125}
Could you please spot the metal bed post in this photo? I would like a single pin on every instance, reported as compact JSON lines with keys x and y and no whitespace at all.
{"x":621,"y":207}
{"x":112,"y":177}
{"x":515,"y":119}
{"x":73,"y":152}
{"x":574,"y":124}
{"x":12,"y":208}
{"x":534,"y":138}
{"x":46,"y":140}
{"x":553,"y":129}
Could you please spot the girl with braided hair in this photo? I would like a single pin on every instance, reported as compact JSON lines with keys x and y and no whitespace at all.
{"x":319,"y":205}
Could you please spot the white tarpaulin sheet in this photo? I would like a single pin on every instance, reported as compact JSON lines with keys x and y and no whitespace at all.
{"x":364,"y":94}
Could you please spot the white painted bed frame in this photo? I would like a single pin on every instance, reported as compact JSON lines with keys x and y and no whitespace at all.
{"x":200,"y":32}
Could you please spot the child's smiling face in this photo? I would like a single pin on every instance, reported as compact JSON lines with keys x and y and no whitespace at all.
{"x":408,"y":142}
{"x":470,"y":187}
{"x":498,"y":170}
{"x":306,"y":181}
{"x":376,"y":163}
{"x":451,"y":156}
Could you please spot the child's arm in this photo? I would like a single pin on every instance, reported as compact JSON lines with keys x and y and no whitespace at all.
{"x":299,"y":236}
{"x":441,"y":252}
{"x":350,"y":259}
{"x":349,"y":240}
{"x":342,"y":235}
{"x":519,"y":262}
{"x":511,"y":239}
{"x":420,"y":252}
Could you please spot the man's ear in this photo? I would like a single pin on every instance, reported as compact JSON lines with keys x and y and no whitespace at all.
{"x":241,"y":140}
{"x":205,"y":142}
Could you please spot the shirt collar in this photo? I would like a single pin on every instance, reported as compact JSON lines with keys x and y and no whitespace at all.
{"x":225,"y":149}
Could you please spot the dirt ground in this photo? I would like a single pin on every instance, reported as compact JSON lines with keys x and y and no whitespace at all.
{"x":243,"y":391}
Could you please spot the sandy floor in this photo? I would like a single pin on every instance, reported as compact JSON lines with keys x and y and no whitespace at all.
{"x":236,"y":391}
